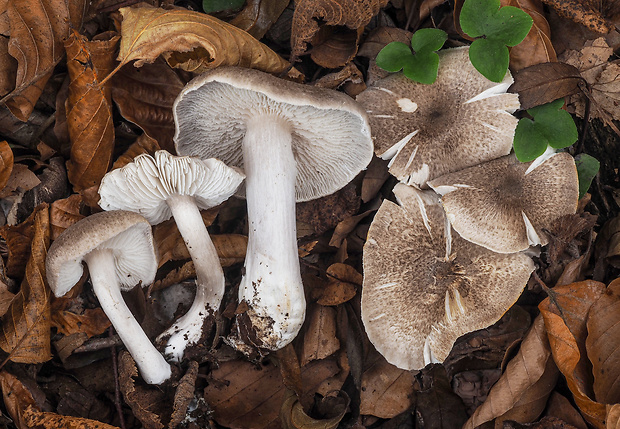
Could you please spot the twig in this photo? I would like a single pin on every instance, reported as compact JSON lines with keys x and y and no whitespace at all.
{"x":117,"y":384}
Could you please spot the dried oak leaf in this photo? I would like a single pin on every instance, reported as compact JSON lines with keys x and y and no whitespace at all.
{"x":536,"y":48}
{"x":565,"y":312}
{"x":17,"y":397}
{"x":603,"y":344}
{"x":37,"y":31}
{"x":386,"y":390}
{"x":145,"y":96}
{"x":6,"y":163}
{"x":25,"y":329}
{"x":243,"y":394}
{"x":521,"y":392}
{"x":191,"y":41}
{"x":89,"y":116}
{"x":352,"y":14}
{"x":601,"y":74}
{"x":35,"y":419}
{"x":257,"y":16}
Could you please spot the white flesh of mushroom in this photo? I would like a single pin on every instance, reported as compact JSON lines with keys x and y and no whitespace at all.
{"x":272,"y":285}
{"x":152,"y":365}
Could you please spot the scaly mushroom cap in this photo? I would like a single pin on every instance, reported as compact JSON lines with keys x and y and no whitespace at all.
{"x":127,"y":234}
{"x":430,"y":130}
{"x":143,"y":185}
{"x":423,"y":288}
{"x":331,"y":137}
{"x":505,"y":205}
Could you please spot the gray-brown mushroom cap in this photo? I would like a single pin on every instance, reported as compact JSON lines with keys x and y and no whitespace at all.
{"x":127,"y":234}
{"x":505,"y":205}
{"x":330,"y":132}
{"x":415,"y":300}
{"x":429,"y":130}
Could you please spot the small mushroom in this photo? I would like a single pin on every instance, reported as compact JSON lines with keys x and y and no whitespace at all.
{"x":430,"y":130}
{"x":295,"y":143}
{"x":424,"y":287}
{"x":166,"y":185}
{"x":118,"y":249}
{"x":505,"y":205}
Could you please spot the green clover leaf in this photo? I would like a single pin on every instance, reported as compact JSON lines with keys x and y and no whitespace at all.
{"x":422,"y":64}
{"x":551,"y":126}
{"x":494,"y":29}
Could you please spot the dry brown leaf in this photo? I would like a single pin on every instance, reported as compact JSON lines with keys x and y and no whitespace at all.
{"x":386,"y":390}
{"x":536,"y":48}
{"x":320,"y":339}
{"x":34,"y":418}
{"x":92,"y":321}
{"x":580,"y":12}
{"x":522,"y":381}
{"x":352,"y":14}
{"x":243,"y":394}
{"x":603,"y":344}
{"x":325,"y":213}
{"x":6,"y":163}
{"x":436,"y":404}
{"x":18,"y":240}
{"x":293,"y":416}
{"x":350,"y":78}
{"x":64,"y":213}
{"x":192,"y":41}
{"x":613,"y":416}
{"x":565,"y":313}
{"x":25,"y":330}
{"x":374,"y":177}
{"x":37,"y":44}
{"x":17,"y":398}
{"x":343,"y":283}
{"x":20,"y":181}
{"x":145,"y":96}
{"x":257,"y":16}
{"x":184,"y":394}
{"x":89,"y":117}
{"x":143,"y":144}
{"x":8,"y":68}
{"x":559,"y":406}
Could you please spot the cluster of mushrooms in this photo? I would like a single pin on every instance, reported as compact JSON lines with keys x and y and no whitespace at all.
{"x":424,"y":285}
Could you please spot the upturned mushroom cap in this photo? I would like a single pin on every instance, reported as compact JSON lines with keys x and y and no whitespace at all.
{"x":331,"y":138}
{"x":424,"y":287}
{"x":430,"y":130}
{"x":505,"y":205}
{"x":127,"y":234}
{"x":143,"y":185}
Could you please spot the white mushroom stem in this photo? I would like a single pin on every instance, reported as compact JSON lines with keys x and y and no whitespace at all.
{"x":151,"y":364}
{"x":210,"y":282}
{"x":272,"y":285}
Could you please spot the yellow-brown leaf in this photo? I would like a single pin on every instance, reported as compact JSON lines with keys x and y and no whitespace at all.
{"x":89,"y":116}
{"x":258,"y":16}
{"x":6,"y":163}
{"x":36,"y":418}
{"x":37,"y":44}
{"x":25,"y":330}
{"x":192,"y":41}
{"x":64,"y":213}
{"x":17,"y":398}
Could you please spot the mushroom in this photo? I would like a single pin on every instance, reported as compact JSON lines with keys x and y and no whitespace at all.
{"x":505,"y":205}
{"x":118,"y":249}
{"x":295,"y":143}
{"x":430,"y":130}
{"x":424,"y":287}
{"x":166,"y":185}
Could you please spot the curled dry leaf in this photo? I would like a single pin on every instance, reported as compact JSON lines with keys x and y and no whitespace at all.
{"x":92,"y":321}
{"x":536,"y":48}
{"x":64,"y":213}
{"x":613,"y":416}
{"x":36,"y":43}
{"x":192,"y":41}
{"x":25,"y":328}
{"x":603,"y":344}
{"x":257,"y":16}
{"x":18,"y":241}
{"x":352,"y":14}
{"x":6,"y":163}
{"x":525,"y":381}
{"x":565,"y":313}
{"x":143,"y":144}
{"x":343,"y":283}
{"x":293,"y":416}
{"x":581,"y":12}
{"x":145,"y":96}
{"x":89,"y":116}
{"x":35,"y":418}
{"x":17,"y":397}
{"x":184,"y":394}
{"x":386,"y":390}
